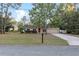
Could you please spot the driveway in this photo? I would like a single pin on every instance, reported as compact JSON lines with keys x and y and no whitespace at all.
{"x":38,"y":50}
{"x":70,"y":39}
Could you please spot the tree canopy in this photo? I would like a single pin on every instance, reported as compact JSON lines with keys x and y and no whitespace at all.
{"x":60,"y":15}
{"x":40,"y":13}
{"x":5,"y":13}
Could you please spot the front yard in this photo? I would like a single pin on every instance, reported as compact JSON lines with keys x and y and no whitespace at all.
{"x":30,"y":39}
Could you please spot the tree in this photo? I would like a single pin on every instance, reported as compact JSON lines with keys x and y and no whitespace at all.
{"x":20,"y":26}
{"x":40,"y":13}
{"x":24,"y":20}
{"x":70,"y":19}
{"x":6,"y":13}
{"x":62,"y":15}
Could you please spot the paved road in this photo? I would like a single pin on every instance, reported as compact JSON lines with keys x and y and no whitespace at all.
{"x":38,"y":50}
{"x":70,"y":39}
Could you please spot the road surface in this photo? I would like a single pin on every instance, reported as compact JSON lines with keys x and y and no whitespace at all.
{"x":38,"y":50}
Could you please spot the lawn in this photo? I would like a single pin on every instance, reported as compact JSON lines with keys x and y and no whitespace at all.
{"x":30,"y":39}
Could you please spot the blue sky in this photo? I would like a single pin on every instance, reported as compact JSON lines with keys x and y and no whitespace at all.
{"x":27,"y":6}
{"x":24,"y":10}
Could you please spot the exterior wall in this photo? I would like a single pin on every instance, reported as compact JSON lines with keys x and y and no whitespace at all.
{"x":15,"y":27}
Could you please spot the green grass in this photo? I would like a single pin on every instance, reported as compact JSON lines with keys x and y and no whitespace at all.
{"x":30,"y":39}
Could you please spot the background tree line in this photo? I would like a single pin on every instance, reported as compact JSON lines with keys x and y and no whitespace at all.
{"x":63,"y":15}
{"x":5,"y":14}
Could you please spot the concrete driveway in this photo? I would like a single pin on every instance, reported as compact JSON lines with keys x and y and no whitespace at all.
{"x":38,"y":50}
{"x":70,"y":39}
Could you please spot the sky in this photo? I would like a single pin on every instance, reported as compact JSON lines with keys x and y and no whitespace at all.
{"x":23,"y":11}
